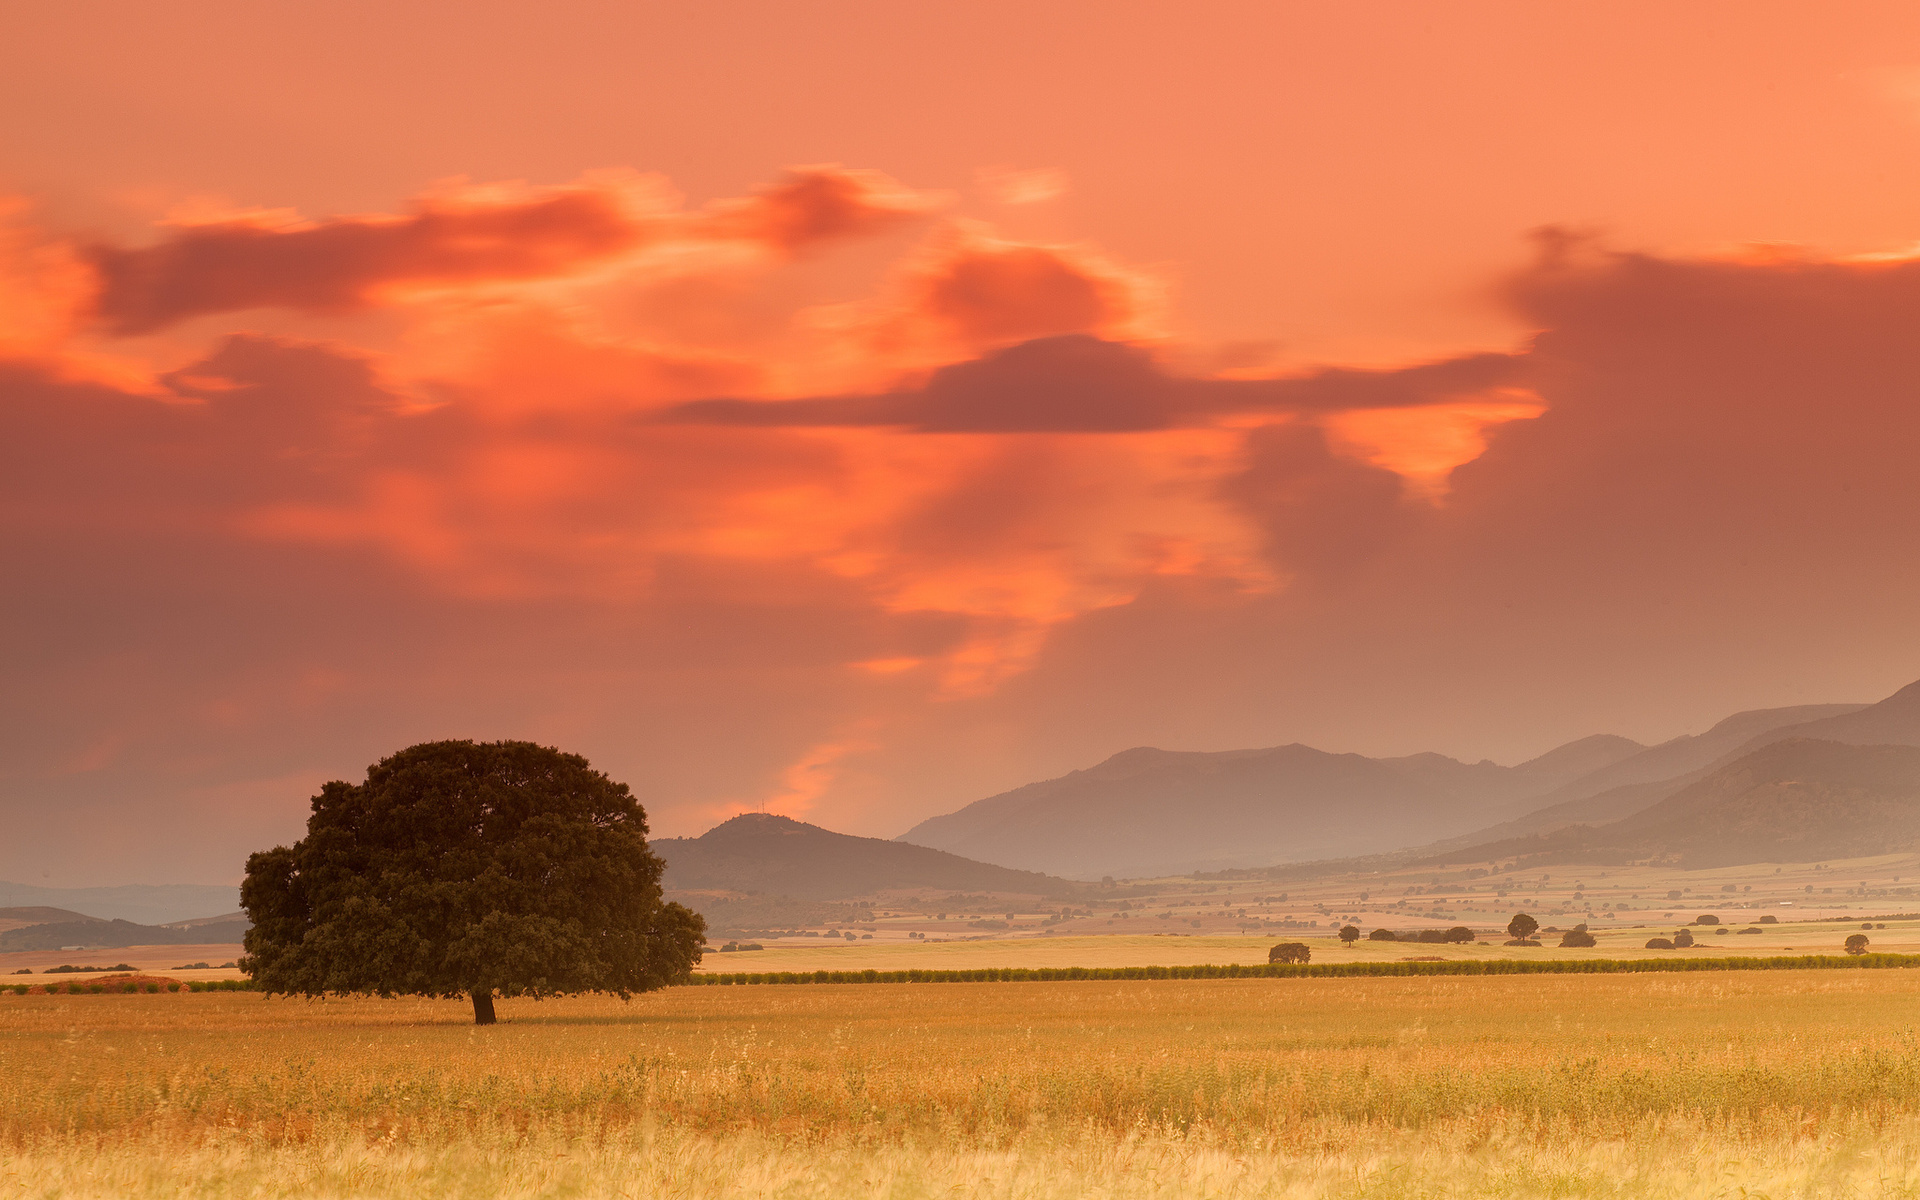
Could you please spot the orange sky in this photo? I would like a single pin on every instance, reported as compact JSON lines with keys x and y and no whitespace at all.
{"x":859,"y":409}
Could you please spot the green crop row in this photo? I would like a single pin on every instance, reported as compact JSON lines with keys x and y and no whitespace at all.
{"x":1498,"y":966}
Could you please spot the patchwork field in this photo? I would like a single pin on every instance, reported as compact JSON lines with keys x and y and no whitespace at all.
{"x":1781,"y":1083}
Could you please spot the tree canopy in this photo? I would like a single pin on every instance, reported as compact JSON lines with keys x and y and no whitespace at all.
{"x":1522,"y":926}
{"x":464,"y":868}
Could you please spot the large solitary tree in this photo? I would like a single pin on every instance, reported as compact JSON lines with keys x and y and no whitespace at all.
{"x":464,"y":868}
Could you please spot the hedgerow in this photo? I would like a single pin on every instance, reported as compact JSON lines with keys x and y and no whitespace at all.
{"x":1497,"y":966}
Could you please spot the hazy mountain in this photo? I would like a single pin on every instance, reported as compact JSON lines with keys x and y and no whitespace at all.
{"x":1635,"y":781}
{"x":1156,"y":812}
{"x":1894,"y":721}
{"x":763,"y":853}
{"x":1150,"y":812}
{"x":147,"y":903}
{"x":1793,"y":800}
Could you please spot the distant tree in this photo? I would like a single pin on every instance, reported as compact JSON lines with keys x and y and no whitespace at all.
{"x":1857,"y":943}
{"x":1290,"y":952}
{"x":1522,"y":926}
{"x":1577,"y":937}
{"x":1769,"y":919}
{"x":1349,"y":934}
{"x":1383,"y":935}
{"x":1659,"y":943}
{"x":463,"y":868}
{"x":1683,"y":939}
{"x":1460,"y":934}
{"x":1706,"y":919}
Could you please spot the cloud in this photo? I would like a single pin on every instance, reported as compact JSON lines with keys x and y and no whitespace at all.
{"x":1023,"y":534}
{"x":466,"y":236}
{"x":1081,"y":383}
{"x":813,"y":206}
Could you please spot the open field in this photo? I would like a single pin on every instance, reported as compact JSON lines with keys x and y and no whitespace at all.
{"x":1783,"y":1083}
{"x":154,"y":959}
{"x":1900,"y":937}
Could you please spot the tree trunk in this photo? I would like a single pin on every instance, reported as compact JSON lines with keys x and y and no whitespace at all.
{"x":483,"y":1006}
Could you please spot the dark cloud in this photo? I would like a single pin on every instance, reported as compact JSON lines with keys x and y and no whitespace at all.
{"x":1080,"y":383}
{"x":340,"y":264}
{"x":333,"y":266}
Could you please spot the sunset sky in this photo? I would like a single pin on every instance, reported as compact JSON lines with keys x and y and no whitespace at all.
{"x":856,"y":409}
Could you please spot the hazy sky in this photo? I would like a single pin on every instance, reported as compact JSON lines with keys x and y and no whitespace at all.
{"x":856,"y":409}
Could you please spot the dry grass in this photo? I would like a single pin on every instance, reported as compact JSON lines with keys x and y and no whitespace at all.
{"x":1787,"y":1084}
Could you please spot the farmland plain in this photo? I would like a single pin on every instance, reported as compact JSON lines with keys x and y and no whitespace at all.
{"x":1786,"y":1083}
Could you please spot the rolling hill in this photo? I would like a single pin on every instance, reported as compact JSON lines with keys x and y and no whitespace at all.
{"x":772,"y":855}
{"x":97,"y":934}
{"x":146,"y":903}
{"x":38,"y":914}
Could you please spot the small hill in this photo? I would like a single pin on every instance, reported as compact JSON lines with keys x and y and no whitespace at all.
{"x":1794,"y":800}
{"x":96,"y":934}
{"x":145,"y":903}
{"x":763,"y":853}
{"x":39,"y":914}
{"x":202,"y":922}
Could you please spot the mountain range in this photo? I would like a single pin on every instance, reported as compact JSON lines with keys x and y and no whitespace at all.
{"x":1794,"y":800}
{"x":1147,"y":812}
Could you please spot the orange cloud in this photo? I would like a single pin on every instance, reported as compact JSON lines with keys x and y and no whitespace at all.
{"x":1424,"y":444}
{"x":813,"y":206}
{"x":465,"y":236}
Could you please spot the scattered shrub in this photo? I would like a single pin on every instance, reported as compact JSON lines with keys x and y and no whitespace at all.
{"x":1577,"y":938}
{"x":24,"y":971}
{"x":1659,"y":943}
{"x":1749,"y":929}
{"x":1706,"y":919}
{"x":1769,"y":920}
{"x":1381,"y":935}
{"x":1520,"y":942}
{"x":1682,"y":939}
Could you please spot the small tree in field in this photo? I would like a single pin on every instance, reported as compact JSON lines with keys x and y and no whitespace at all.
{"x":1857,"y":943}
{"x":1577,"y":937}
{"x":1460,"y":935}
{"x":1683,"y":939}
{"x":1290,"y":952}
{"x":1522,"y":926}
{"x":1349,"y":934}
{"x":460,"y":868}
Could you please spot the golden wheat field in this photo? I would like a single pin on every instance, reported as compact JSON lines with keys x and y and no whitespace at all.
{"x":1731,"y":1084}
